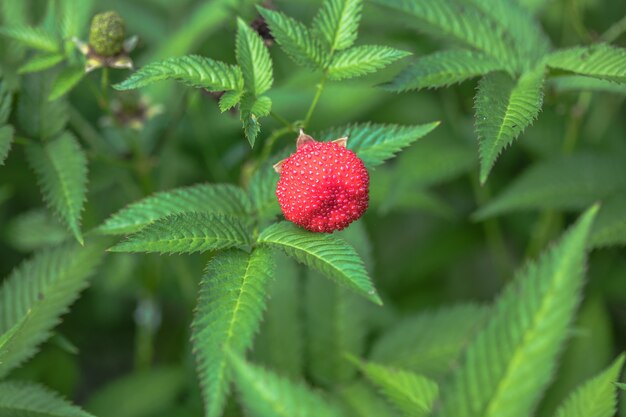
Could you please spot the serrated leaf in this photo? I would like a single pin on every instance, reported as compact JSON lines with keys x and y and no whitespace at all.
{"x":230,"y":99}
{"x":6,"y":139}
{"x":462,"y":23}
{"x":191,"y":70}
{"x":520,"y":343}
{"x":230,"y":305}
{"x":61,"y":169}
{"x":328,"y":254}
{"x":37,"y":117}
{"x":337,"y":23}
{"x":569,"y":182}
{"x":597,"y":397}
{"x":35,"y":229}
{"x":610,"y":227}
{"x":187,"y":232}
{"x":411,"y":393}
{"x":362,"y":60}
{"x":74,"y":17}
{"x":65,"y":81}
{"x":265,"y":394}
{"x":6,"y":102}
{"x":37,"y":293}
{"x":254,"y":60}
{"x":219,"y":199}
{"x":375,"y":143}
{"x":41,"y":63}
{"x":442,"y":69}
{"x":295,"y":39}
{"x":504,"y":108}
{"x":431,"y":342}
{"x":599,"y":61}
{"x":21,"y":399}
{"x":252,"y":108}
{"x":36,"y":38}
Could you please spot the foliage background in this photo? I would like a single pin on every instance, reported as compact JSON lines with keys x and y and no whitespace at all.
{"x":129,"y":331}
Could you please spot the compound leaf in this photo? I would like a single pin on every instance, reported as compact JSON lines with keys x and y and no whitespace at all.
{"x":254,"y":60}
{"x":504,"y":108}
{"x":61,"y":169}
{"x":187,"y":233}
{"x":230,"y":305}
{"x":328,"y":254}
{"x":362,"y":60}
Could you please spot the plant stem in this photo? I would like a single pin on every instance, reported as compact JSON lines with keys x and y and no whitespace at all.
{"x":104,"y":86}
{"x":280,"y":119}
{"x":615,"y":31}
{"x":316,"y":98}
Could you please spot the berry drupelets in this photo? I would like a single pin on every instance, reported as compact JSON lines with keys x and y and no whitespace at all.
{"x":324,"y":186}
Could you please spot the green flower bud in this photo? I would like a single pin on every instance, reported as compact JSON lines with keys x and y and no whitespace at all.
{"x":106,"y":34}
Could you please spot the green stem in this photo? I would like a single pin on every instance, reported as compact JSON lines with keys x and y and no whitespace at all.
{"x":271,"y":140}
{"x":316,"y":99}
{"x":104,"y":86}
{"x":280,"y":119}
{"x":615,"y":31}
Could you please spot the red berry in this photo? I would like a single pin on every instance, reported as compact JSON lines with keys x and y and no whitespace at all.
{"x":323,"y":187}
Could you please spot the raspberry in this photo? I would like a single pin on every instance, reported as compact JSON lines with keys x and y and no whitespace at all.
{"x":323,"y":187}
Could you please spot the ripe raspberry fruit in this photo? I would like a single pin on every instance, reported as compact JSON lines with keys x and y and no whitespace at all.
{"x":324,"y":186}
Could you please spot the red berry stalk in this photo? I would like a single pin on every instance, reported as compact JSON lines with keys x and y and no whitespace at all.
{"x":324,"y":186}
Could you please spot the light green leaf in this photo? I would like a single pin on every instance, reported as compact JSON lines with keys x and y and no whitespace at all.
{"x":362,"y":60}
{"x":375,"y":143}
{"x":220,"y":199}
{"x":36,"y":38}
{"x":569,"y":182}
{"x":610,"y":227}
{"x":504,"y":108}
{"x":74,"y":17}
{"x":230,"y":305}
{"x":254,"y":60}
{"x":360,"y":400}
{"x":41,"y":63}
{"x":621,"y":386}
{"x":6,"y":139}
{"x":187,"y":232}
{"x":265,"y":394}
{"x":230,"y":99}
{"x":61,"y":169}
{"x":326,"y":253}
{"x":524,"y":334}
{"x":599,"y":61}
{"x":597,"y":397}
{"x":442,"y":69}
{"x":191,"y":70}
{"x":567,"y":83}
{"x":37,"y":293}
{"x":295,"y":39}
{"x":25,"y":399}
{"x":430,"y":343}
{"x":65,"y":81}
{"x":337,"y":23}
{"x":411,"y":393}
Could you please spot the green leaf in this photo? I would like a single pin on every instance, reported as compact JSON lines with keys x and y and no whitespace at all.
{"x":65,"y":81}
{"x":206,"y":198}
{"x":36,"y":38}
{"x":337,"y":23}
{"x":567,"y":83}
{"x":362,"y":60}
{"x":442,"y":69}
{"x":599,"y":61}
{"x":430,"y":343}
{"x":504,"y":108}
{"x":61,"y":169}
{"x":191,"y":70}
{"x":621,"y":386}
{"x":560,"y":183}
{"x":37,"y":117}
{"x":25,"y":399}
{"x":254,"y":60}
{"x":187,"y":233}
{"x":411,"y":393}
{"x":262,"y":189}
{"x":6,"y":139}
{"x":230,"y":99}
{"x":280,"y":342}
{"x":326,"y":253}
{"x":524,"y":334}
{"x":37,"y":293}
{"x":35,"y":229}
{"x":6,"y":102}
{"x":597,"y":397}
{"x":41,"y":63}
{"x":265,"y":394}
{"x":361,"y":400}
{"x":230,"y":305}
{"x":375,"y":143}
{"x":74,"y":17}
{"x":610,"y":227}
{"x":295,"y":39}
{"x":461,"y":23}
